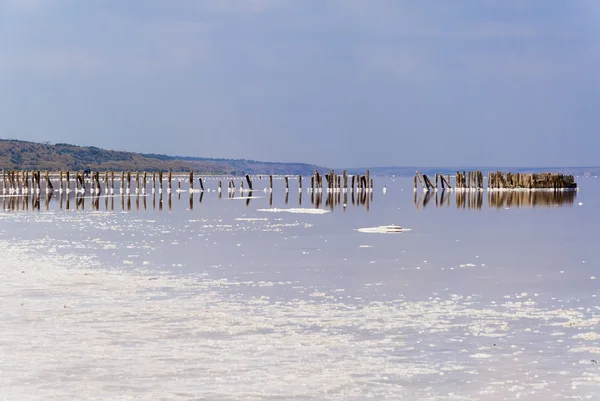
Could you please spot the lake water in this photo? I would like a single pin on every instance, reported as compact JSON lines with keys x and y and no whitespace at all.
{"x":489,"y":296}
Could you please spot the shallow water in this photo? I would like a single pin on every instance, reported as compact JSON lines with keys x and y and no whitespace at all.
{"x":489,"y":296}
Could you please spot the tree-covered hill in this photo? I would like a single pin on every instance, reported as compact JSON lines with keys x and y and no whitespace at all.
{"x":22,"y":155}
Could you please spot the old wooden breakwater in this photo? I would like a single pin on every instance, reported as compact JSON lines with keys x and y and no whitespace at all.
{"x":336,"y":189}
{"x":496,"y":181}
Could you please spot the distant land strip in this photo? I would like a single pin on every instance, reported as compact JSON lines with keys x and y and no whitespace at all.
{"x":23,"y":155}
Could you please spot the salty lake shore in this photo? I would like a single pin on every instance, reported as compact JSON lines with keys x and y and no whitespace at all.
{"x":90,"y":333}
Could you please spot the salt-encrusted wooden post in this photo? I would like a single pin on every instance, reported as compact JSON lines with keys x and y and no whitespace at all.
{"x":420,"y":179}
{"x":137,"y":182}
{"x":191,"y":180}
{"x":145,"y":177}
{"x":287,"y":184}
{"x":270,"y":183}
{"x":129,"y":182}
{"x":153,"y":183}
{"x":249,"y":182}
{"x":300,"y":186}
{"x":201,"y":185}
{"x":480,"y":180}
{"x":98,"y":187}
{"x":427,"y":182}
{"x":160,"y":181}
{"x":169,"y":181}
{"x":220,"y":190}
{"x":445,"y":180}
{"x":122,"y":183}
{"x":49,"y":187}
{"x":3,"y":182}
{"x":312,"y":183}
{"x":106,"y":185}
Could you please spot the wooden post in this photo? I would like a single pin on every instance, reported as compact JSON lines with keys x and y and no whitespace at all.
{"x":144,"y":183}
{"x":202,"y":185}
{"x":287,"y":184}
{"x":367,"y":180}
{"x":160,"y":181}
{"x":312,"y":183}
{"x":191,"y":180}
{"x":137,"y":182}
{"x":169,"y":182}
{"x":220,"y":186}
{"x":445,"y":180}
{"x":249,"y":182}
{"x":300,"y":187}
{"x":98,"y":187}
{"x":49,"y":187}
{"x":153,"y":182}
{"x":270,"y":183}
{"x":420,"y":180}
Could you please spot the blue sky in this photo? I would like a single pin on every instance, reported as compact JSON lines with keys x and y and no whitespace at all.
{"x":342,"y":83}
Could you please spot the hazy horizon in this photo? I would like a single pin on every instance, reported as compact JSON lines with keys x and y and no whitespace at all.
{"x":392,"y":83}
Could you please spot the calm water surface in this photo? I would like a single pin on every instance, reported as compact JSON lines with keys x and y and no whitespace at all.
{"x":485,"y":298}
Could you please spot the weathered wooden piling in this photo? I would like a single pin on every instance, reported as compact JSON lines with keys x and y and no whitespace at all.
{"x":420,"y":180}
{"x":169,"y":176}
{"x":428,"y":182}
{"x":249,"y":181}
{"x":191,"y":180}
{"x":144,"y":183}
{"x":300,"y":186}
{"x":270,"y":183}
{"x":202,"y":185}
{"x":98,"y":187}
{"x":287,"y":184}
{"x":49,"y":187}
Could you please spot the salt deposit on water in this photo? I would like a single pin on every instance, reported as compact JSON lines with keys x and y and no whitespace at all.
{"x":72,"y":328}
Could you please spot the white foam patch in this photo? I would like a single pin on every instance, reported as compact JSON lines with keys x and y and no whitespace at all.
{"x":252,"y":219}
{"x":591,"y":336}
{"x":295,"y":210}
{"x":391,"y":229}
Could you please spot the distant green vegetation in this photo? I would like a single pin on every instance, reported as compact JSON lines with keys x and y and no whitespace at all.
{"x":22,"y":155}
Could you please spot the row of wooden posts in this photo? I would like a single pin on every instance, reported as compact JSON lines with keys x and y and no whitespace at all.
{"x":474,"y":180}
{"x":14,"y":182}
{"x":24,"y":200}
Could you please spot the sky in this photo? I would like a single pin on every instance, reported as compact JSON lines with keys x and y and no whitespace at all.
{"x":339,"y":83}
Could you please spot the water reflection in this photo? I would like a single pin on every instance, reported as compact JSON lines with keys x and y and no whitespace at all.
{"x":495,"y":199}
{"x":330,"y":200}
